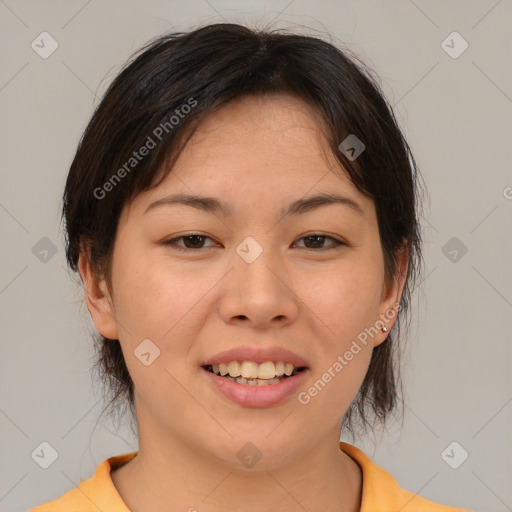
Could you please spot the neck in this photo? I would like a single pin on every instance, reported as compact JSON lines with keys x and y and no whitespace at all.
{"x":182,"y":477}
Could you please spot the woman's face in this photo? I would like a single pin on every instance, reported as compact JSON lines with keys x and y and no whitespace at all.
{"x":258,"y":280}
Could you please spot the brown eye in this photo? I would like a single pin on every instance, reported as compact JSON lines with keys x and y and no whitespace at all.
{"x":192,"y":241}
{"x":316,"y":241}
{"x":195,"y":241}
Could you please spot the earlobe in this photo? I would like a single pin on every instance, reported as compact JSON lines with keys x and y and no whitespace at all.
{"x":391,"y":296}
{"x":98,"y":299}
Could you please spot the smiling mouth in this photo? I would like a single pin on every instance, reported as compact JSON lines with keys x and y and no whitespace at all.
{"x":254,"y":381}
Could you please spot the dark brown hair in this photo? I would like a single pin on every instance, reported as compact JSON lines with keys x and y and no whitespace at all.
{"x":205,"y":69}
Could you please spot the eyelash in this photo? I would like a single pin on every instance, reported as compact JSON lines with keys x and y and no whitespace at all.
{"x":172,"y":242}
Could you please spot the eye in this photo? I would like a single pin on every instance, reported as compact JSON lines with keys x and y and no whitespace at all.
{"x":192,"y":240}
{"x":195,"y":241}
{"x":318,"y":239}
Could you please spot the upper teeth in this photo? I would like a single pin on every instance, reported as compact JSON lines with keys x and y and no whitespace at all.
{"x":252,"y":370}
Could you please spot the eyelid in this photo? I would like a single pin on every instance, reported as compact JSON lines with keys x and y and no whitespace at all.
{"x":335,"y":242}
{"x":172,"y":242}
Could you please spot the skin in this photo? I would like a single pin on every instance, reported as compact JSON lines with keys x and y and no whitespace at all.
{"x":257,"y":154}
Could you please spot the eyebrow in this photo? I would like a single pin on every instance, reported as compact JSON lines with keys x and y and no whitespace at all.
{"x":213,"y":205}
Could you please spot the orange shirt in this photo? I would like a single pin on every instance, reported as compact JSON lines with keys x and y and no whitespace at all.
{"x":381,"y":493}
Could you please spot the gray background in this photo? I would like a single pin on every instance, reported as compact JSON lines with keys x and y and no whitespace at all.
{"x":456,"y":114}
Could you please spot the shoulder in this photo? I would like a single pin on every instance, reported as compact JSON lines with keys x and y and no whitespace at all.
{"x":381,"y":491}
{"x":96,"y":494}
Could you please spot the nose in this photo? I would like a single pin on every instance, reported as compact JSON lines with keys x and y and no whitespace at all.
{"x":259,"y":294}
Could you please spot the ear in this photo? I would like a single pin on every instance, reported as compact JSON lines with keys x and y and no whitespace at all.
{"x":391,"y":295}
{"x":98,"y":299}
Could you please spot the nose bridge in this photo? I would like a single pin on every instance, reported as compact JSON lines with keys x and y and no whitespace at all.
{"x":260,"y":292}
{"x":255,"y":263}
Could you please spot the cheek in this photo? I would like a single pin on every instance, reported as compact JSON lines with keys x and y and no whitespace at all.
{"x":155,"y":301}
{"x":150,"y":297}
{"x":344,"y":303}
{"x":164,"y":301}
{"x":346,"y":298}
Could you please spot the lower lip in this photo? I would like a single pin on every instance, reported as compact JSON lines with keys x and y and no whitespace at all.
{"x":256,"y":396}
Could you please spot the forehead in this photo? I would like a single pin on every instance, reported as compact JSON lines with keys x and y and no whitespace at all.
{"x":257,"y":148}
{"x":275,"y":125}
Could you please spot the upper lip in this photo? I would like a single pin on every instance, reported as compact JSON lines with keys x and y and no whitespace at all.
{"x":256,"y":354}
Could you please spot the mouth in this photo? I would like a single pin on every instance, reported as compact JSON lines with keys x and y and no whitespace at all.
{"x":252,"y":384}
{"x":250,"y":373}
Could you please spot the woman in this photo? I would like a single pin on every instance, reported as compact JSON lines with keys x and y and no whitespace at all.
{"x":242,"y":210}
